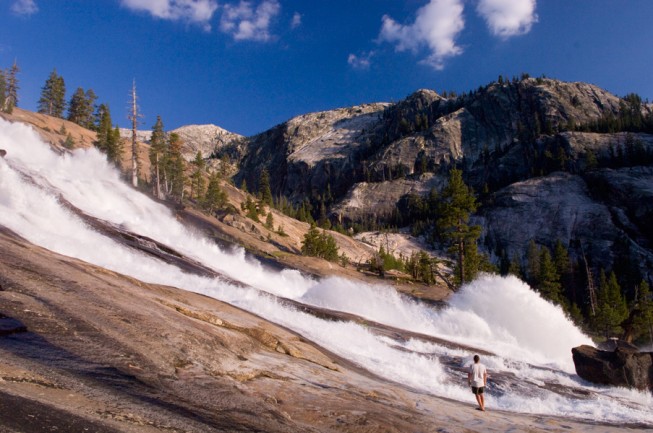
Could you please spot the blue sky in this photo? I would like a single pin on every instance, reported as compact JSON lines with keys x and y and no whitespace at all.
{"x":249,"y":65}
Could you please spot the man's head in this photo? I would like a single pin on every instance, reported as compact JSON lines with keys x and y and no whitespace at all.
{"x":477,"y":358}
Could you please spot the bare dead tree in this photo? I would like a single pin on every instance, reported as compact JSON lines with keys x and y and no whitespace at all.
{"x":134,"y":115}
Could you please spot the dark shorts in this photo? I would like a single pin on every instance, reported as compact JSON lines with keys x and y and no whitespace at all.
{"x":479,"y":390}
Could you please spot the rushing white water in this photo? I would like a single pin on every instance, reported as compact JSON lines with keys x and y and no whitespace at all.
{"x":500,"y":315}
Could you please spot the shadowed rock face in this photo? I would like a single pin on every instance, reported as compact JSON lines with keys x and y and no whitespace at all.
{"x":624,"y":366}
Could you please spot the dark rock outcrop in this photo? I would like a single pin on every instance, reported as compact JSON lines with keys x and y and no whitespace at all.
{"x":625,"y":366}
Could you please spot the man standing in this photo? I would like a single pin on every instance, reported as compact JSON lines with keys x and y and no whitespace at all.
{"x":477,"y":378}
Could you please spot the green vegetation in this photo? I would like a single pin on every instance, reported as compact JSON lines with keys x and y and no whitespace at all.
{"x":215,"y":197}
{"x":320,"y":244}
{"x":264,"y":188}
{"x":269,"y":221}
{"x":456,"y":204}
{"x":251,"y":208}
{"x":175,"y":168}
{"x":630,"y":118}
{"x":3,"y":90}
{"x":642,"y":314}
{"x":53,"y":96}
{"x":9,"y":88}
{"x":108,"y":138}
{"x":158,"y":154}
{"x":198,"y":182}
{"x":612,"y":309}
{"x":81,"y":108}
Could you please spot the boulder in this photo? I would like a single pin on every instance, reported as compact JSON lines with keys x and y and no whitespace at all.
{"x":612,"y":344}
{"x":625,"y":366}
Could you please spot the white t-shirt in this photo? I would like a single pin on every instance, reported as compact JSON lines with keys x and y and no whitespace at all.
{"x":477,"y":370}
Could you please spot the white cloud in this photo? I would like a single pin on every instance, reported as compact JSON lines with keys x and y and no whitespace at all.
{"x":195,"y":11}
{"x":436,"y":26}
{"x":246,"y":23}
{"x":296,"y":20}
{"x":24,"y":7}
{"x":361,"y":62}
{"x":506,"y":18}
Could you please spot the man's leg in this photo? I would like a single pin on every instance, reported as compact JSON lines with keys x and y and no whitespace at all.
{"x":481,"y":401}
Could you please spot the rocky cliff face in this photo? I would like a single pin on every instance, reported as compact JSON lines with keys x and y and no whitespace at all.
{"x":205,"y":139}
{"x":311,"y":151}
{"x":525,"y":143}
{"x":490,"y":132}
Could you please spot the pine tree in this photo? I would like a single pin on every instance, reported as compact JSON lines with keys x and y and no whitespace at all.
{"x":318,"y":244}
{"x":269,"y":221}
{"x":104,"y":127}
{"x":548,"y":278}
{"x":576,"y":315}
{"x":3,"y":89}
{"x":310,"y":245}
{"x":562,"y":262}
{"x":108,"y":137}
{"x":70,"y":142}
{"x":114,"y":147}
{"x":215,"y":196}
{"x":53,"y":94}
{"x":515,"y":267}
{"x":264,"y":188}
{"x":323,"y":220}
{"x":81,"y":107}
{"x":251,"y":208}
{"x":643,"y":314}
{"x":197,"y":178}
{"x":91,"y":98}
{"x":533,"y":263}
{"x":157,"y":157}
{"x":76,"y":106}
{"x":176,"y":167}
{"x":611,"y":309}
{"x":11,"y":99}
{"x":456,"y":204}
{"x":424,"y":270}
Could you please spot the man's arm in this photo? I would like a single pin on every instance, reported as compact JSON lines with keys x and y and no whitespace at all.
{"x":485,"y":378}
